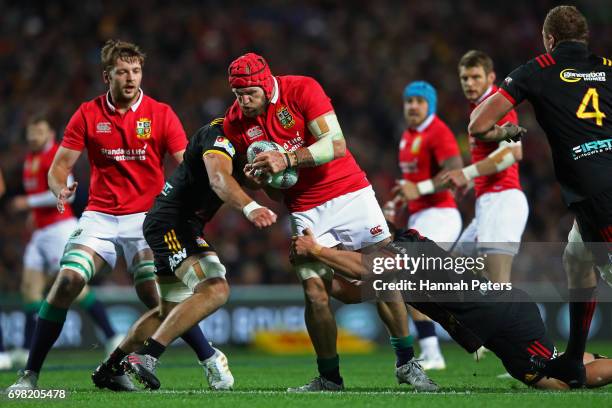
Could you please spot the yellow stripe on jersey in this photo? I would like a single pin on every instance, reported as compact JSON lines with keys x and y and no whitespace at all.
{"x":219,"y":152}
{"x":217,"y":121}
{"x":176,"y":241}
{"x":168,"y":242}
{"x":607,"y":61}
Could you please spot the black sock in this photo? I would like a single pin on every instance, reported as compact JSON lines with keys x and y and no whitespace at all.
{"x":425,"y":328}
{"x":31,"y":312}
{"x":581,"y":309}
{"x":152,"y":348}
{"x":30,"y":324}
{"x":114,"y":360}
{"x":45,"y":334}
{"x":198,"y":342}
{"x":329,"y":368}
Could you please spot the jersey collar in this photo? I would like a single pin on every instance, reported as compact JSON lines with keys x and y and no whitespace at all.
{"x":134,"y":106}
{"x":571,"y":48}
{"x":485,"y":95}
{"x":421,"y":128}
{"x":275,"y":91}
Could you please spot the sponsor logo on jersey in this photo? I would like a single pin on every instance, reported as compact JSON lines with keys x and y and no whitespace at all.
{"x":590,"y":148}
{"x":143,"y":128}
{"x":224,"y":143}
{"x":416,"y":145}
{"x":571,"y":75}
{"x":254,"y":132}
{"x":175,"y":259}
{"x":103,"y":127}
{"x":408,"y":167}
{"x":201,"y":242}
{"x":375,"y":231}
{"x":166,"y":190}
{"x":284,"y":117}
{"x":294,"y":143}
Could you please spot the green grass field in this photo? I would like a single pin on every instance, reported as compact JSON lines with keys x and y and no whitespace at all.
{"x":262,"y":379}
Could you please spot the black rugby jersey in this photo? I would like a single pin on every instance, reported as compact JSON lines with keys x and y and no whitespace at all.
{"x":571,"y":92}
{"x":187,"y":192}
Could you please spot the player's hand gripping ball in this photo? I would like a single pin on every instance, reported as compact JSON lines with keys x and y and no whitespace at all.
{"x":282,"y":179}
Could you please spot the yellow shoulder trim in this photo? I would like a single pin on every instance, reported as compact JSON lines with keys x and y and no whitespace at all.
{"x":217,"y":121}
{"x":219,"y":152}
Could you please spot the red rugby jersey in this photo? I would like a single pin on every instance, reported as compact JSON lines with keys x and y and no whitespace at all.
{"x":35,"y":169}
{"x":421,"y":152}
{"x":297,"y":101}
{"x":126,"y":151}
{"x":504,"y":180}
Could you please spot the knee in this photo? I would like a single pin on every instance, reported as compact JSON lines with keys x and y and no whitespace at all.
{"x":315,"y":293}
{"x":147,"y":293}
{"x":68,"y":284}
{"x":218,"y":290}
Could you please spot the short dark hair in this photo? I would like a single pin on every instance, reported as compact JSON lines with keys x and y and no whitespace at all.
{"x":114,"y":49}
{"x":566,"y":23}
{"x":37,"y":118}
{"x":476,"y":58}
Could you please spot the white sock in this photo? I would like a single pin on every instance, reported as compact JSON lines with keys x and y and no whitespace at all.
{"x":430,"y":346}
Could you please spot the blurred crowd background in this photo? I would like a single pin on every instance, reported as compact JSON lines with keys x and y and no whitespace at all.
{"x":362,"y":52}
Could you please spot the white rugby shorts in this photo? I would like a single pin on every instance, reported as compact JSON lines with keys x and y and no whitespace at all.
{"x":354,"y":220}
{"x":498,"y":225}
{"x":46,"y":247}
{"x":441,"y":225}
{"x":111,"y":235}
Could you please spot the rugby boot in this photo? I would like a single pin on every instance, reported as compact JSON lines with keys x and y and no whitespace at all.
{"x":28,"y":380}
{"x":412,"y":373}
{"x":217,"y":371}
{"x":318,"y":384}
{"x":106,"y":376}
{"x":141,"y":367}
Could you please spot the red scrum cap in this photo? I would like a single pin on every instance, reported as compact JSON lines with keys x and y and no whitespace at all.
{"x":251,"y":70}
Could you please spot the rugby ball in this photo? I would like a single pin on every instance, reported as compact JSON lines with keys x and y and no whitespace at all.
{"x":282,"y":179}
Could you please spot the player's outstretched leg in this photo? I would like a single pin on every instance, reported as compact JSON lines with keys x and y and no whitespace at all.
{"x":51,"y":318}
{"x":110,"y":374}
{"x":78,"y":264}
{"x":322,"y":330}
{"x":208,"y":295}
{"x":407,"y":369}
{"x":146,"y":289}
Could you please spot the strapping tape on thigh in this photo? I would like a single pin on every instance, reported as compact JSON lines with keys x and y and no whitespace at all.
{"x":205,"y":268}
{"x":174,"y":291}
{"x":79,"y":261}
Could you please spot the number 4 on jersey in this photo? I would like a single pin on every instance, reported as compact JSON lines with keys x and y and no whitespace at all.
{"x":591,"y":97}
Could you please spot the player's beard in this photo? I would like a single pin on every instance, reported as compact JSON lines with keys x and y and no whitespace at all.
{"x":122,"y":98}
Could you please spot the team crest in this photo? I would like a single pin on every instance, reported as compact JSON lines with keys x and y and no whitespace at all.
{"x":143,"y":128}
{"x":416,"y":145}
{"x":201,"y":242}
{"x":284,"y":117}
{"x":76,"y":233}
